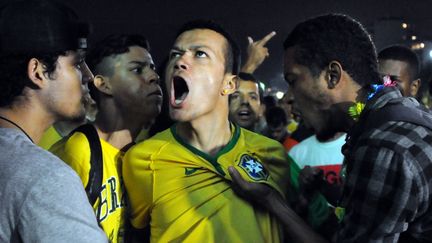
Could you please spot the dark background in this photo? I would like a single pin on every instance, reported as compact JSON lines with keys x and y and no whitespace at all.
{"x":159,"y":20}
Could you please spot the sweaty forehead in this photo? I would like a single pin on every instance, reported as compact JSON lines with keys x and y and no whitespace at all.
{"x":247,"y":86}
{"x":392,"y":67}
{"x":201,"y":38}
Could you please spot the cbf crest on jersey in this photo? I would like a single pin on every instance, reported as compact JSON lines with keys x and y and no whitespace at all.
{"x":253,"y":167}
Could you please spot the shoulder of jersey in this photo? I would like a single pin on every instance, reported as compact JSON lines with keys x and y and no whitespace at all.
{"x":258,"y":140}
{"x":154,"y":143}
{"x":74,"y":142}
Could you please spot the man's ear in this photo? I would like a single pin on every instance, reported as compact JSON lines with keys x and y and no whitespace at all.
{"x":102,"y":84}
{"x":334,"y":74}
{"x":414,"y":87}
{"x":229,"y":84}
{"x":36,"y":73}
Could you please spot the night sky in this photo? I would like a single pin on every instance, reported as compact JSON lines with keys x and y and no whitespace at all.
{"x":159,"y":20}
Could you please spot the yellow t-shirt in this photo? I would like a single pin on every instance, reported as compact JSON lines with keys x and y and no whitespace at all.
{"x":185,"y":194}
{"x":50,"y":137}
{"x":292,"y":126}
{"x":110,"y":206}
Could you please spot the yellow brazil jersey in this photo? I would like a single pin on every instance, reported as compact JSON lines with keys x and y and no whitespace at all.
{"x":50,"y":137}
{"x":185,"y":194}
{"x":110,"y":205}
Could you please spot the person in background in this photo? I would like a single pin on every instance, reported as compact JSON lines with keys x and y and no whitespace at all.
{"x":287,"y":104}
{"x":322,"y":159}
{"x":276,"y":125}
{"x":403,"y":66}
{"x":245,"y":104}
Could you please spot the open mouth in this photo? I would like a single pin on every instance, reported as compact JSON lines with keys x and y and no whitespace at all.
{"x":181,"y":90}
{"x":244,"y":114}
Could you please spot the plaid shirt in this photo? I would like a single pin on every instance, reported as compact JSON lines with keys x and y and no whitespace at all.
{"x":388,"y":187}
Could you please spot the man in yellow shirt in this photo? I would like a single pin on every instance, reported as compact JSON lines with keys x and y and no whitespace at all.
{"x":178,"y":181}
{"x":127,"y":92}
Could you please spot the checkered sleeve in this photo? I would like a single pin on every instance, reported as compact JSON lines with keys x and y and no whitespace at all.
{"x":382,"y":196}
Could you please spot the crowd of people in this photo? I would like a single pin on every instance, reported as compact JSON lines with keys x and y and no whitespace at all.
{"x":99,"y":145}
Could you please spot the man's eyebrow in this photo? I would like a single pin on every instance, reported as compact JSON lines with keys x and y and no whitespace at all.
{"x":176,"y":48}
{"x":139,"y":62}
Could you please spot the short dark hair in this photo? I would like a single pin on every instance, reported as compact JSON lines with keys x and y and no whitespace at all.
{"x":250,"y":77}
{"x":111,"y":45}
{"x":232,"y":54}
{"x":13,"y":70}
{"x":404,"y":54}
{"x":338,"y":37}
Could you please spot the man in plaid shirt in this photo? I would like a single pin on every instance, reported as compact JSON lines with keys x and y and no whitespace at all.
{"x":331,"y":65}
{"x":387,"y":193}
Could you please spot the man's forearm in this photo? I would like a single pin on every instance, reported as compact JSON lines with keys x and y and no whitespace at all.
{"x":296,"y":228}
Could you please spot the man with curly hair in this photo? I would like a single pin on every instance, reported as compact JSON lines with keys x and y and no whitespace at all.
{"x":331,"y":64}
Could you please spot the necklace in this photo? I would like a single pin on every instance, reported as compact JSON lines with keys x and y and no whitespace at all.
{"x":355,"y":110}
{"x":13,"y":123}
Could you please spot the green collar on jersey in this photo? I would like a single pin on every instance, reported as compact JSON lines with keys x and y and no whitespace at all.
{"x":209,"y":158}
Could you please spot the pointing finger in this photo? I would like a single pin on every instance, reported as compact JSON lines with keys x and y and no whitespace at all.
{"x":266,"y":38}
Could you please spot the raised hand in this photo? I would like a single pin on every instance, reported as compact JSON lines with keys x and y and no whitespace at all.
{"x":256,"y":53}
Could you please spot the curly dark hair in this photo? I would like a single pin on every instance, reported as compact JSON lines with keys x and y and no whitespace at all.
{"x":232,"y":54}
{"x":111,"y":45}
{"x":335,"y":37}
{"x":13,"y":70}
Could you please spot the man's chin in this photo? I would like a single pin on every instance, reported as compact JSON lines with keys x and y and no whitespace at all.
{"x":78,"y":117}
{"x":178,"y":116}
{"x":246,"y":124}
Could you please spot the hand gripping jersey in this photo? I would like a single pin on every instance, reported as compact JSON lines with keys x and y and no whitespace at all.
{"x":187,"y":196}
{"x":110,"y":204}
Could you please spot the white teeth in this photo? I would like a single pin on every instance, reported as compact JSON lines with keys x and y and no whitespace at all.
{"x":179,"y":100}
